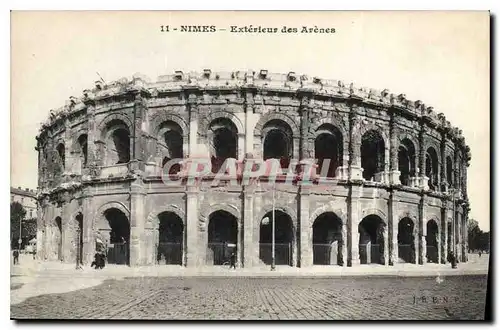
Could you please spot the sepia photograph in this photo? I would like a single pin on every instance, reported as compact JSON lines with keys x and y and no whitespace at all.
{"x":250,"y":165}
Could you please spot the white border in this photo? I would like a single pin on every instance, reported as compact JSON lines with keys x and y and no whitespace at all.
{"x":492,"y":5}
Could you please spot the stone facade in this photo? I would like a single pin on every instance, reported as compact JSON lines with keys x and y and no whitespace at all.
{"x":396,"y":192}
{"x":27,"y":198}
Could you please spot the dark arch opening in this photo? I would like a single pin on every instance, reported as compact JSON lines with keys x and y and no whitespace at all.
{"x":79,"y":237}
{"x":371,"y":240}
{"x":225,"y":142}
{"x":372,"y":154}
{"x":432,"y":239}
{"x":406,"y":240}
{"x":327,"y":240}
{"x":222,"y":237}
{"x":170,"y":239}
{"x":278,"y":142}
{"x":58,"y":235}
{"x":406,"y":161}
{"x":283,"y":238}
{"x":449,"y":171}
{"x":119,"y":237}
{"x":61,"y":153}
{"x":431,"y":168}
{"x":82,"y":143}
{"x":328,"y":150}
{"x":449,"y":241}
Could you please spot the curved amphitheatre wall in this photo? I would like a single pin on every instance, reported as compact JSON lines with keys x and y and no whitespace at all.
{"x":391,"y":156}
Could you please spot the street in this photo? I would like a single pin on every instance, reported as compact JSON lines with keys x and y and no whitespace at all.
{"x":357,"y":298}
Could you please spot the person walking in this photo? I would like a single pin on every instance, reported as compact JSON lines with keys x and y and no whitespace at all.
{"x":15,"y":254}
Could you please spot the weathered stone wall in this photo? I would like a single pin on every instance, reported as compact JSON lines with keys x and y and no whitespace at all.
{"x":69,"y":185}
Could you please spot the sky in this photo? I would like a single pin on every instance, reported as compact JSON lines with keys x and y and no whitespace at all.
{"x":441,"y":58}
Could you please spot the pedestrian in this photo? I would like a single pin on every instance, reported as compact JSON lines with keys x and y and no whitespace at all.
{"x":15,"y":254}
{"x":479,"y":253}
{"x":232,"y":261}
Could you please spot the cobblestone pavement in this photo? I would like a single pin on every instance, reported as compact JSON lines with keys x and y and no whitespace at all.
{"x":455,"y":297}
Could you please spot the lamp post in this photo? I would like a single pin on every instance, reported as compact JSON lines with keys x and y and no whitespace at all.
{"x":20,"y":233}
{"x":273,"y":240}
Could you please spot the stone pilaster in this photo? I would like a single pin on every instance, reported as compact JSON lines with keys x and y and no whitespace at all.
{"x":353,"y":221}
{"x":443,"y":182}
{"x":393,"y":230}
{"x":421,"y":159}
{"x":421,"y":230}
{"x":66,"y":227}
{"x":344,"y":243}
{"x":249,"y":110}
{"x":192,"y":103}
{"x":306,"y":247}
{"x":137,"y":218}
{"x":394,"y":172}
{"x":88,"y":228}
{"x":192,"y":244}
{"x":249,"y":241}
{"x":444,"y":235}
{"x":304,"y":111}
{"x":385,"y":234}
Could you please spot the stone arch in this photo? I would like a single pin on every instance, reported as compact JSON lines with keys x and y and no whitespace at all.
{"x":330,"y":121}
{"x":101,"y":127}
{"x":100,"y":216}
{"x":205,"y":123}
{"x":434,"y":217}
{"x":162,"y":116}
{"x":152,"y":218}
{"x":374,"y":211}
{"x":365,"y":126}
{"x":413,"y":217}
{"x":275,"y":116}
{"x":327,"y":208}
{"x":408,"y":136}
{"x":207,"y":211}
{"x":283,"y":208}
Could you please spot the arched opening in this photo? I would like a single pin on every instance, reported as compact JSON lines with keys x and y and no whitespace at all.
{"x":58,"y":237}
{"x":222,"y":237}
{"x":278,"y":141}
{"x":406,"y":161}
{"x":119,"y":237}
{"x":371,"y":240}
{"x":170,"y":239}
{"x":117,"y":143}
{"x":82,"y":144}
{"x":449,"y":171}
{"x":372,"y":154}
{"x":62,"y":156}
{"x":79,"y":237}
{"x":327,"y":240}
{"x":328,"y":150}
{"x":283,"y":238}
{"x":224,"y":141}
{"x":431,"y":168}
{"x":406,"y":240}
{"x":432,"y":239}
{"x":171,"y":143}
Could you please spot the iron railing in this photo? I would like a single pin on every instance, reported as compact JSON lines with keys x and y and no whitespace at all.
{"x":219,"y":253}
{"x":282,"y":253}
{"x":432,"y":254}
{"x":168,"y":253}
{"x":371,"y":254}
{"x":327,"y":254}
{"x":118,"y":253}
{"x":406,"y":253}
